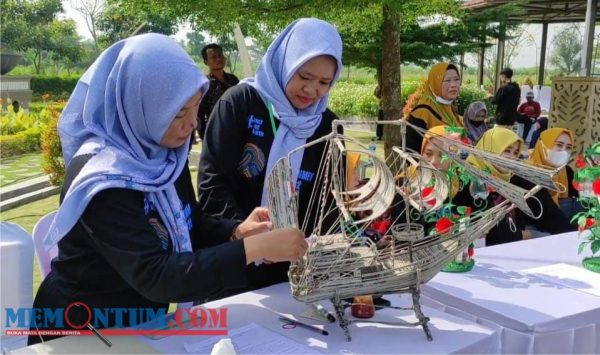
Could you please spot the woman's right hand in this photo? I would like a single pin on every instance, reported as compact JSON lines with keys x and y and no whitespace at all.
{"x":286,"y":244}
{"x":257,"y":222}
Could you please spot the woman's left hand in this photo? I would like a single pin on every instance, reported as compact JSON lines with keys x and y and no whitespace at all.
{"x":257,"y":222}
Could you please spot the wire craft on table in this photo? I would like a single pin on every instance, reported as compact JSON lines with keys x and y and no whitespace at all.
{"x":340,"y":263}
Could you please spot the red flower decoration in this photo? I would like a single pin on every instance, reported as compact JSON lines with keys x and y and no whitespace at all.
{"x":589,"y":222}
{"x":471,"y":252}
{"x":576,"y":185}
{"x":468,"y":211}
{"x":426,"y":191}
{"x":443,"y":225}
{"x":580,"y":163}
{"x":596,"y":187}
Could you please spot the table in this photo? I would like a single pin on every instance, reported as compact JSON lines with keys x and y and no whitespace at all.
{"x":526,"y":254}
{"x":531,"y":314}
{"x":450,"y":334}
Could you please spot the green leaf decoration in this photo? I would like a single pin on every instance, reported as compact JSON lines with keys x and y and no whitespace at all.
{"x":581,"y":247}
{"x":595,"y":246}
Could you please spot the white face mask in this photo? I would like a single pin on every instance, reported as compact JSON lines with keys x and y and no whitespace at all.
{"x":443,"y":101}
{"x":558,"y":158}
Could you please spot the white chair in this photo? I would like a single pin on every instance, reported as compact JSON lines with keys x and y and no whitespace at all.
{"x":544,"y":98}
{"x":39,"y":233}
{"x":16,"y":279}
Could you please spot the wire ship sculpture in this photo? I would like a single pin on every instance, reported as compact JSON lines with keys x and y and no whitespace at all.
{"x":340,"y":263}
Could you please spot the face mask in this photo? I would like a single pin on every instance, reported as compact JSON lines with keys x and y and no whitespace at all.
{"x":476,"y":123}
{"x":558,"y":158}
{"x":443,"y":101}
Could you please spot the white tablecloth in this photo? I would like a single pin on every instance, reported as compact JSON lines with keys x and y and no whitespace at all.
{"x":560,"y":248}
{"x":450,"y":334}
{"x":531,"y":314}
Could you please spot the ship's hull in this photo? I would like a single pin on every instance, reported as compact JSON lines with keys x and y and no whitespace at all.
{"x":340,"y":266}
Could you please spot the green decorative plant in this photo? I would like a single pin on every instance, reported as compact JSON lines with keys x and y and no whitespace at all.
{"x":587,"y":182}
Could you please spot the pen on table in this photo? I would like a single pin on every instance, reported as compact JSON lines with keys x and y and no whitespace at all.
{"x":100,"y":336}
{"x":95,"y":331}
{"x":323,"y":312}
{"x":303,"y":325}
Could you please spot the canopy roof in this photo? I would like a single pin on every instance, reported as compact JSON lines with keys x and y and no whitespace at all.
{"x":539,"y":11}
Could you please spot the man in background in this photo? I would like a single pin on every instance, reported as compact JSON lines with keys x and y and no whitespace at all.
{"x":530,"y":109}
{"x":220,"y":81}
{"x":507,"y":100}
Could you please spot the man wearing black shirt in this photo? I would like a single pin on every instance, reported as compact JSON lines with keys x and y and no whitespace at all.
{"x":220,"y":81}
{"x":507,"y":100}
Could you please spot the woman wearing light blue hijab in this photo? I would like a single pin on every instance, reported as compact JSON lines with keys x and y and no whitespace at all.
{"x":128,"y":217}
{"x":262,"y":119}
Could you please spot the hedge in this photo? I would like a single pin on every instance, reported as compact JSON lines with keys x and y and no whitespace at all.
{"x":21,"y":132}
{"x":349,"y":99}
{"x":37,"y":107}
{"x":23,"y":142}
{"x":59,"y":87}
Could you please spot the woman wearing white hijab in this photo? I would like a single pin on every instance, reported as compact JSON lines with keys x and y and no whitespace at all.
{"x":262,"y":119}
{"x":127,"y":222}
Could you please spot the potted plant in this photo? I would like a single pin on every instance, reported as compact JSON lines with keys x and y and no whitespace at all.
{"x":587,"y":182}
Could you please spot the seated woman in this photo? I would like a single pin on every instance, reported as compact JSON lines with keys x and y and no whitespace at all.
{"x":507,"y":143}
{"x":475,"y":120}
{"x":436,"y":106}
{"x":262,"y":119}
{"x":128,"y":219}
{"x":540,"y":125}
{"x":553,"y":150}
{"x":433,"y":151}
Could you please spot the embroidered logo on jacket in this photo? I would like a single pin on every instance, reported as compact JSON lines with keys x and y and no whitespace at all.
{"x":253,"y":161}
{"x":255,"y":126}
{"x":303,"y":176}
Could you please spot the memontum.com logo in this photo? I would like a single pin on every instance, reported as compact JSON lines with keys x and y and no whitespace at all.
{"x":78,"y":319}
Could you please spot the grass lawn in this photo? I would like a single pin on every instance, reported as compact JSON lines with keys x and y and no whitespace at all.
{"x":21,"y":167}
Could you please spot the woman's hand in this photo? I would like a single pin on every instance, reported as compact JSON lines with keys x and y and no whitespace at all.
{"x":257,"y":222}
{"x":286,"y":244}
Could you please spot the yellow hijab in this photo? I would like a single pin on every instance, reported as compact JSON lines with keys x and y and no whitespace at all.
{"x":438,"y":131}
{"x":538,"y":157}
{"x":433,"y":89}
{"x":495,"y":140}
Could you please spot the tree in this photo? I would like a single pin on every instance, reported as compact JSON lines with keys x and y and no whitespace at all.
{"x":121,"y":19}
{"x":596,"y":53}
{"x":90,"y":10}
{"x":566,"y":55}
{"x":31,"y":27}
{"x":66,"y":44}
{"x":27,"y":26}
{"x":359,"y":22}
{"x":515,"y":39}
{"x":195,"y":43}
